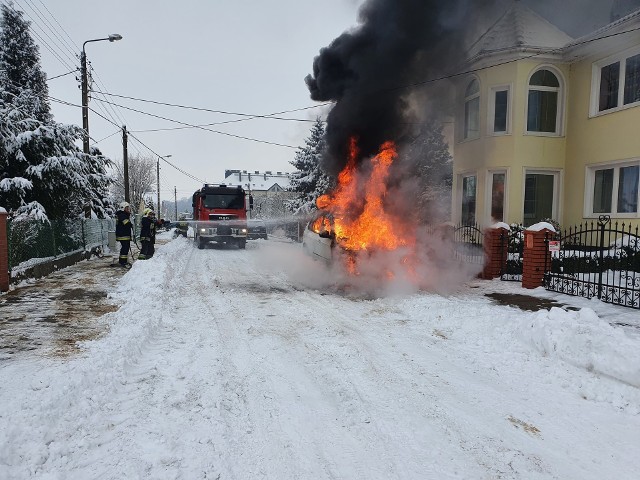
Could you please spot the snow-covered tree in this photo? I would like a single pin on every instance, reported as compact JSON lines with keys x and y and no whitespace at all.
{"x":142,"y":180}
{"x":309,"y":181}
{"x":43,"y":172}
{"x":433,"y":168}
{"x":25,"y":84}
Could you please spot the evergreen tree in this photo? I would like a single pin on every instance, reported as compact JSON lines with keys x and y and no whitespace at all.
{"x":433,"y":168}
{"x":25,"y":84}
{"x":43,"y":172}
{"x":309,"y":181}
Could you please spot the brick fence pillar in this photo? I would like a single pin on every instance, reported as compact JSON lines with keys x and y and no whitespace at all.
{"x":536,"y":254}
{"x":495,"y":251}
{"x":4,"y":252}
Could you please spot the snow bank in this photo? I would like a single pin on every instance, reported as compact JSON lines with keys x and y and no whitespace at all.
{"x":583,"y":339}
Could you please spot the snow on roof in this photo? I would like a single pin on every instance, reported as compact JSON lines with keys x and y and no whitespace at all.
{"x":519,"y":29}
{"x":258,"y":181}
{"x":621,"y":22}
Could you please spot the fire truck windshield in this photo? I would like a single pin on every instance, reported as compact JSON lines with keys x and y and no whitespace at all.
{"x":226,"y":201}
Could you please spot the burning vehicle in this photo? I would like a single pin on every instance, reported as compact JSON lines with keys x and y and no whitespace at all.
{"x":319,"y":238}
{"x":354,"y":219}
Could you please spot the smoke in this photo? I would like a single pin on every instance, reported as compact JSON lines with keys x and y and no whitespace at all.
{"x":372,"y":71}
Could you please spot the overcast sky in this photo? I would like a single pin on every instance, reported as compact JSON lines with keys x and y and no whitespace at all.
{"x":241,"y":56}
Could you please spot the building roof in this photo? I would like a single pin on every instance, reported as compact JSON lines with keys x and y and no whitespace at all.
{"x":258,"y":181}
{"x":609,"y":29}
{"x":519,"y":29}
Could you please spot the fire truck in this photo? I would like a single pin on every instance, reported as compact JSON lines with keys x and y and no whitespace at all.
{"x":220,"y":215}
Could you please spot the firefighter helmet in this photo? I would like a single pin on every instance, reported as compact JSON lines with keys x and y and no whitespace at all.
{"x":124,"y":205}
{"x":147,"y":211}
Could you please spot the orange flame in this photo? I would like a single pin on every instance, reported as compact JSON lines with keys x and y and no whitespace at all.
{"x":372,"y":227}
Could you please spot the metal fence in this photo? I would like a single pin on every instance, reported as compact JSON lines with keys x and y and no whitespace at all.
{"x":32,"y":241}
{"x":597,"y":260}
{"x":467,"y":244}
{"x":513,"y":242}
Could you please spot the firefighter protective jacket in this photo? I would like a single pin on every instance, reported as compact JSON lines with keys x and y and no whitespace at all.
{"x":147,"y":229}
{"x":123,"y":225}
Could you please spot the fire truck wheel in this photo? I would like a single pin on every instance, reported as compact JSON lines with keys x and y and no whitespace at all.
{"x":200,"y":243}
{"x":242,"y":244}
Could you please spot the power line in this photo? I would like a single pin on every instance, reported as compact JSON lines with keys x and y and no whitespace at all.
{"x":62,"y":75}
{"x":223,"y":112}
{"x":199,"y":127}
{"x":165,"y":160}
{"x":42,"y":17}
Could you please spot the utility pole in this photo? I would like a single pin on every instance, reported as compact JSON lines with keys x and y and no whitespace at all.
{"x":125,"y":163}
{"x":85,"y":102}
{"x":175,"y":200}
{"x":158,"y":182}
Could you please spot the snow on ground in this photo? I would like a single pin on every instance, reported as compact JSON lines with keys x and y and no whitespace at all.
{"x":227,"y":364}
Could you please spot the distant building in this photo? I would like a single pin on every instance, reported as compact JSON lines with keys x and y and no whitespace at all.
{"x":257,"y":181}
{"x":269,"y":190}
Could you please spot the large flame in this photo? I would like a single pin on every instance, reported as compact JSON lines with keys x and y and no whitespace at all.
{"x":359,"y":206}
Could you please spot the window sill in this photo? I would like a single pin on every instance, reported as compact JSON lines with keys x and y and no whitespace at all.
{"x":614,"y":110}
{"x":543,"y":134}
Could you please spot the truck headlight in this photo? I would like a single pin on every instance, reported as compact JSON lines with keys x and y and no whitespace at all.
{"x":243,"y":230}
{"x":203,"y":230}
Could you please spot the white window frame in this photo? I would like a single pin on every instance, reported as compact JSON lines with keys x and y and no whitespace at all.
{"x":560,"y":104}
{"x":596,"y":77}
{"x":488,"y":193}
{"x":491,"y":110}
{"x":556,"y":205}
{"x":589,"y":184}
{"x":466,"y":100}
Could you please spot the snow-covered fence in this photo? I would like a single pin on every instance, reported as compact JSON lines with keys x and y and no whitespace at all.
{"x":33,"y":242}
{"x":597,"y":260}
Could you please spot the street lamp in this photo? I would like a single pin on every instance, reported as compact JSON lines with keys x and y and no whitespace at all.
{"x":85,"y":88}
{"x":158,"y":181}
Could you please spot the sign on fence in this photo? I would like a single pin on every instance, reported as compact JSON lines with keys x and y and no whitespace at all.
{"x":554,"y":245}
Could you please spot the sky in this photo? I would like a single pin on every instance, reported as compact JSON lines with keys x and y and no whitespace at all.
{"x":247,"y":57}
{"x":244,"y":57}
{"x":243,"y":364}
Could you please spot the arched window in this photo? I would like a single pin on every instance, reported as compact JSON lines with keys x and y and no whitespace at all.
{"x":544,"y":102}
{"x":472,"y":110}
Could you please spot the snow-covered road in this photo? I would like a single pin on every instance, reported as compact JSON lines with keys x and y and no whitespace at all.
{"x":228,"y":364}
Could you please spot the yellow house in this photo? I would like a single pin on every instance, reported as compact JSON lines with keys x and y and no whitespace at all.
{"x":547,"y":126}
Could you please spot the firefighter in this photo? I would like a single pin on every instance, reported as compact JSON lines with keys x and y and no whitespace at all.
{"x":147,"y":234}
{"x":183,"y":226}
{"x":124,"y":228}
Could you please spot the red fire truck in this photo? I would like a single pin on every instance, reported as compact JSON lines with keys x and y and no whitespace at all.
{"x":220,"y":215}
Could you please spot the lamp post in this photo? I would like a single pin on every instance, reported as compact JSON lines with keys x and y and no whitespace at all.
{"x":158,"y":181}
{"x":85,"y":88}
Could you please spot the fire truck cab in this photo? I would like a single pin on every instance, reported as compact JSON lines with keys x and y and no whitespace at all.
{"x":220,"y":215}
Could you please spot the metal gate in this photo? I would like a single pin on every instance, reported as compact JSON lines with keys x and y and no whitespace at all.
{"x":467,"y":244}
{"x":513,"y":243}
{"x":597,"y":260}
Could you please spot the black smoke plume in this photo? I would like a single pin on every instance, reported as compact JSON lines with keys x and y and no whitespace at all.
{"x":372,"y":71}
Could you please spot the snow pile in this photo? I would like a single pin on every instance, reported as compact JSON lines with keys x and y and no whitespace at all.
{"x":583,"y":339}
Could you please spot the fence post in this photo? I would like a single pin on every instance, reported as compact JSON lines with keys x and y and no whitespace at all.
{"x":602,"y":222}
{"x":4,"y":252}
{"x":536,"y":258}
{"x":495,"y":251}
